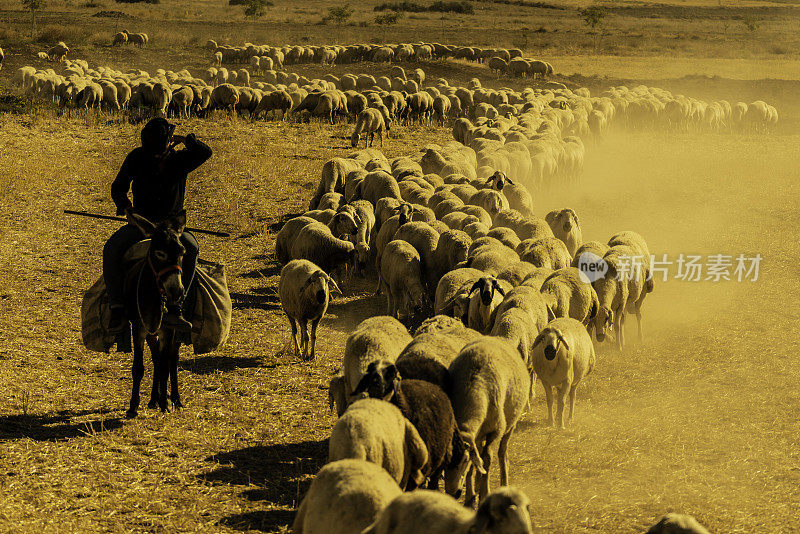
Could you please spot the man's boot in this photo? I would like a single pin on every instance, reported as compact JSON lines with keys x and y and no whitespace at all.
{"x":118,"y":321}
{"x":174,"y":319}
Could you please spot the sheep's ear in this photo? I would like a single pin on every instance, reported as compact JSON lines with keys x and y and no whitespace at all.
{"x":509,"y":181}
{"x":334,"y":286}
{"x":362,"y":385}
{"x":498,"y":287}
{"x":477,"y":285}
{"x":610,"y":315}
{"x":550,"y":313}
{"x":538,"y":340}
{"x":561,"y":338}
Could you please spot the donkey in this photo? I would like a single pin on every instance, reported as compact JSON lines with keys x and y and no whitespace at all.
{"x":156,"y":284}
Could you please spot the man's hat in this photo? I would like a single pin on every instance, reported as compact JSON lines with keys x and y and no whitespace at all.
{"x":156,"y":135}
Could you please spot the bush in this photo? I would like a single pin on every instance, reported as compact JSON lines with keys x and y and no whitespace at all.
{"x":388,"y":19}
{"x":267,"y":3}
{"x":138,"y":1}
{"x":463,"y":7}
{"x":255,"y":8}
{"x":339,"y":14}
{"x":92,"y":4}
{"x":10,"y":103}
{"x":593,"y":16}
{"x":54,"y":33}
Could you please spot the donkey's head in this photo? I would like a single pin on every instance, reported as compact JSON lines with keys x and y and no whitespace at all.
{"x":165,"y":254}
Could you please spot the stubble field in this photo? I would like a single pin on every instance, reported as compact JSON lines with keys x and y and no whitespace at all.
{"x":700,"y":418}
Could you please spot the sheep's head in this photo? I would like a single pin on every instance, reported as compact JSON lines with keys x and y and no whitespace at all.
{"x":354,"y":139}
{"x":487,"y":286}
{"x":456,"y":471}
{"x":380,"y":381}
{"x":318,"y":286}
{"x":504,"y":510}
{"x":551,"y":339}
{"x":405,"y":211}
{"x":603,"y":322}
{"x":343,"y":224}
{"x":499,"y":180}
{"x":362,"y":255}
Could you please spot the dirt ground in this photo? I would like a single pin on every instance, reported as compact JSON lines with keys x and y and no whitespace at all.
{"x":699,"y":418}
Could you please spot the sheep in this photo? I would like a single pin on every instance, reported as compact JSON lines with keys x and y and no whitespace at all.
{"x":489,"y":394}
{"x":377,"y":185}
{"x":452,"y":292}
{"x":518,"y":196}
{"x":376,"y":338}
{"x":304,"y":290}
{"x":356,"y":219}
{"x":316,"y":243}
{"x":490,"y":200}
{"x":547,"y":252}
{"x":376,"y":431}
{"x":515,"y":273}
{"x":491,"y":258}
{"x":484,"y":296}
{"x":287,"y":235}
{"x":451,"y":249}
{"x":400,"y":279}
{"x":505,"y":510}
{"x":345,"y":497}
{"x":671,"y":523}
{"x":323,"y":216}
{"x":278,"y":100}
{"x":563,"y":354}
{"x":426,"y":406}
{"x":568,"y":293}
{"x":424,"y":239}
{"x":120,"y":38}
{"x":430,"y":353}
{"x":370,"y":121}
{"x":595,"y":248}
{"x":330,"y":201}
{"x":334,"y":172}
{"x":566,"y":227}
{"x":624,"y":286}
{"x":505,"y":235}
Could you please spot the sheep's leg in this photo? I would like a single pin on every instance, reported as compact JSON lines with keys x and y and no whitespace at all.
{"x":469,"y":497}
{"x":619,"y":326}
{"x":572,"y":401}
{"x":563,"y":389}
{"x":314,"y":324}
{"x":502,"y":451}
{"x":304,"y":338}
{"x":137,"y":372}
{"x":433,"y":481}
{"x":486,"y":456}
{"x":548,"y":393}
{"x":294,"y":336}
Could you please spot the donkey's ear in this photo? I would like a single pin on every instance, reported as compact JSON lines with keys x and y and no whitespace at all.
{"x":178,"y":222}
{"x":142,"y":224}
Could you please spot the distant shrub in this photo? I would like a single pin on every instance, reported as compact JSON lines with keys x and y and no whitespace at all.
{"x":751,"y":23}
{"x":388,"y":19}
{"x":112,"y":14}
{"x":267,"y":3}
{"x":463,"y":7}
{"x":53,"y":33}
{"x":92,"y":4}
{"x":138,"y":1}
{"x":528,"y":3}
{"x":10,"y":103}
{"x":779,"y":50}
{"x":338,"y":14}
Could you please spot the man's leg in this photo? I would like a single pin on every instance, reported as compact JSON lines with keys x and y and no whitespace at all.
{"x":114,"y":274}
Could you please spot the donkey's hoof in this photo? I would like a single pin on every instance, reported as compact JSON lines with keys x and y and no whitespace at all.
{"x":131,"y":414}
{"x":177,"y":404}
{"x":152,"y":405}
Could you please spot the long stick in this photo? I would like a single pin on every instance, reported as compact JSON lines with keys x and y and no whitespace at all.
{"x":123,"y":219}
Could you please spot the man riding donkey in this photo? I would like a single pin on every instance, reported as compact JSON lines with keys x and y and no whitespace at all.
{"x":156,"y":174}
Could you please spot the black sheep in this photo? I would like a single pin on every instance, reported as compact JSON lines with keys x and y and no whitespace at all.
{"x":429,"y":410}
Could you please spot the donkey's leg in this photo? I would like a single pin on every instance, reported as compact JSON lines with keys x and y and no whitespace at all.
{"x":174,"y":349}
{"x":137,"y":372}
{"x":163,"y":364}
{"x":154,"y":393}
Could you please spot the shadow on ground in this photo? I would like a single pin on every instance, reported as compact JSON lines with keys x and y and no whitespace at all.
{"x":281,"y":472}
{"x":203,"y":365}
{"x":56,"y":427}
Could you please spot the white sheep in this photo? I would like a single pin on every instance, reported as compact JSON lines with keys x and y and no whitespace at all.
{"x":568,"y":293}
{"x":305,"y":289}
{"x":316,"y":243}
{"x":673,"y":523}
{"x":400,"y":279}
{"x":344,"y":497}
{"x":563,"y":354}
{"x":369,"y":122}
{"x":376,"y":431}
{"x":490,"y":391}
{"x":504,"y":511}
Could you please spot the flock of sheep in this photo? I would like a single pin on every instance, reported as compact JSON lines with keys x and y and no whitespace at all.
{"x":266,"y":57}
{"x":125,"y":37}
{"x":400,"y":96}
{"x":452,"y":234}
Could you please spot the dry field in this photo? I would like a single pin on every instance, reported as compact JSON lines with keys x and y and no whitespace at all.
{"x":701,"y":418}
